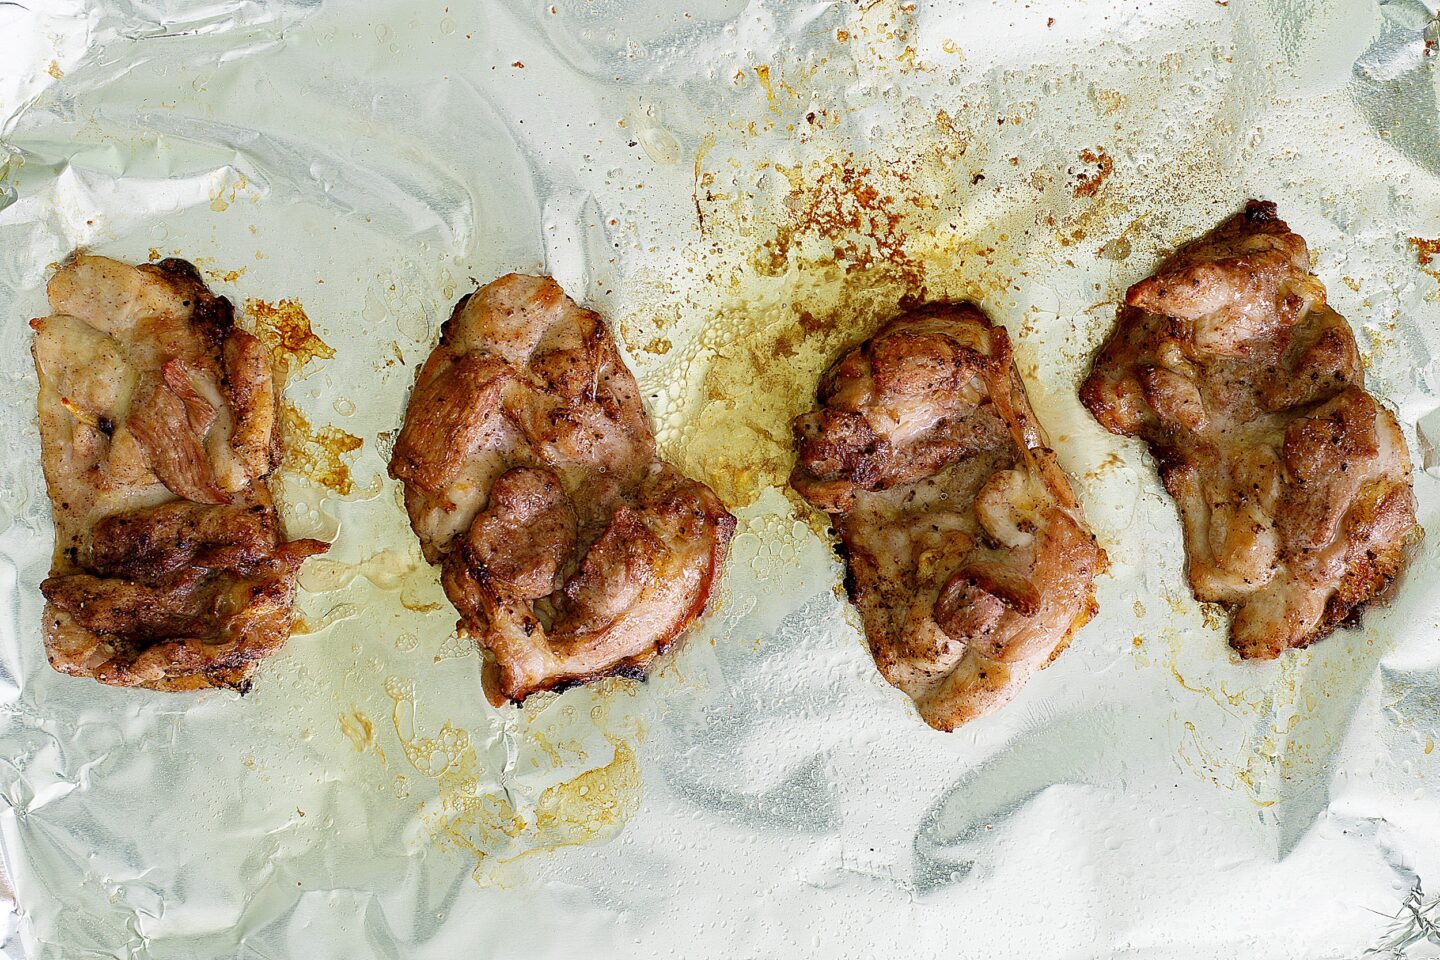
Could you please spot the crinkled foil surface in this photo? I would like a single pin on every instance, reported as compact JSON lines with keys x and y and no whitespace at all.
{"x":743,"y":189}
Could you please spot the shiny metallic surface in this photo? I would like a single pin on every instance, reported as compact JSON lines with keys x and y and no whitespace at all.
{"x":743,"y":190}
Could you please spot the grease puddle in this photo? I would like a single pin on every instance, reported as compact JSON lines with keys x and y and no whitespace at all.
{"x":487,"y":813}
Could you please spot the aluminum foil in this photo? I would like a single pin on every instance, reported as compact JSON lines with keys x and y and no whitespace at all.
{"x":743,"y":189}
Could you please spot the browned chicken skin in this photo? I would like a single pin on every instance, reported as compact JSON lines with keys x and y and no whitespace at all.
{"x":157,"y":428}
{"x":1293,"y":483}
{"x":967,"y":554}
{"x":570,"y":550}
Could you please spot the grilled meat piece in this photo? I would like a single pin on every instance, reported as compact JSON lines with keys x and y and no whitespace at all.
{"x":1293,"y":483}
{"x":966,"y":552}
{"x":157,"y":428}
{"x":570,"y":550}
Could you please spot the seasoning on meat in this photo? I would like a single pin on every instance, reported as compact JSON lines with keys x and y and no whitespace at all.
{"x":1293,"y":482}
{"x":157,"y":430}
{"x":966,"y":551}
{"x":570,"y":550}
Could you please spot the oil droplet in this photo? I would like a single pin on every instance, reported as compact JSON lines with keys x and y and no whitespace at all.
{"x":455,"y":647}
{"x":413,"y":324}
{"x":658,"y":143}
{"x":344,"y":406}
{"x":386,"y":570}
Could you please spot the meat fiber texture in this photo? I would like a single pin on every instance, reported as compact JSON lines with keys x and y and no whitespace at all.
{"x":158,"y":436}
{"x":1293,"y":482}
{"x":965,"y":549}
{"x":570,"y":550}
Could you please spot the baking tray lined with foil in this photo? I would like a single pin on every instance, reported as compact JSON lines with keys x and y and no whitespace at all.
{"x":743,"y":190}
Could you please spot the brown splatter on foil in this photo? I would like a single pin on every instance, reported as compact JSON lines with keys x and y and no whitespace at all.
{"x":1426,"y":251}
{"x":284,"y":328}
{"x":226,"y":276}
{"x":840,"y":205}
{"x":1087,"y":182}
{"x":316,"y":452}
{"x":592,"y":806}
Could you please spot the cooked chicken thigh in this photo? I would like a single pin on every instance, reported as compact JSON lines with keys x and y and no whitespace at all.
{"x":1293,"y":483}
{"x":157,"y":429}
{"x":530,"y":474}
{"x":966,"y":552}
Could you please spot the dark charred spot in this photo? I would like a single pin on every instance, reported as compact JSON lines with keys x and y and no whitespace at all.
{"x":446,"y":329}
{"x":631,"y":671}
{"x":1260,"y":211}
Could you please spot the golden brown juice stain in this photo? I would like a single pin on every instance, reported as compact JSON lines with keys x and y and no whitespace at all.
{"x":830,"y":252}
{"x":316,"y":452}
{"x":704,"y":180}
{"x":592,"y":806}
{"x":225,"y":196}
{"x":1426,"y":251}
{"x":54,"y":70}
{"x":358,"y":730}
{"x":1294,"y":736}
{"x":225,"y":276}
{"x":1109,"y":101}
{"x":552,"y":753}
{"x":1214,"y":616}
{"x":1111,"y":462}
{"x":762,"y":74}
{"x":1088,"y":181}
{"x":284,"y":328}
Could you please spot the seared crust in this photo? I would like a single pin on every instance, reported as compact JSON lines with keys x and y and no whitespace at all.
{"x":569,"y":549}
{"x":965,"y":550}
{"x":157,"y":417}
{"x":1293,"y":482}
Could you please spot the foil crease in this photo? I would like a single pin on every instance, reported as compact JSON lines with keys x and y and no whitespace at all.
{"x":742,"y":189}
